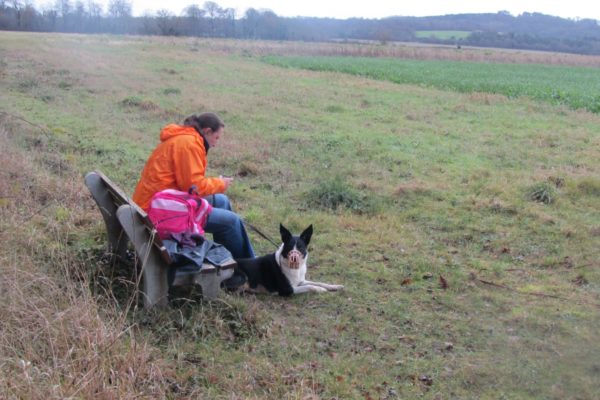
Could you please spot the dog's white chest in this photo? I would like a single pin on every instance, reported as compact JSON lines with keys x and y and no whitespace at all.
{"x":295,"y":276}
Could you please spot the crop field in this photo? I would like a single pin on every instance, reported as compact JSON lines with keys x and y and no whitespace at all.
{"x":446,"y":35}
{"x":575,"y":87}
{"x":457,"y":207}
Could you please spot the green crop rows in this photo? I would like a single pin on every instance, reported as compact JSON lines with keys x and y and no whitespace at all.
{"x":575,"y":87}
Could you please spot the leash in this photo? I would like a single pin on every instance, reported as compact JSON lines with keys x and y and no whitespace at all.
{"x":211,"y":200}
{"x":255,"y":229}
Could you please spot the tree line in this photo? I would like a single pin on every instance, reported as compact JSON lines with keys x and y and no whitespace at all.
{"x":527,"y":31}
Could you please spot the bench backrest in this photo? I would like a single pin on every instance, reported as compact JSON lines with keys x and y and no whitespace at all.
{"x":119,"y":198}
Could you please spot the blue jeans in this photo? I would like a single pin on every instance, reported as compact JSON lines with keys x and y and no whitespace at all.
{"x":227,"y":227}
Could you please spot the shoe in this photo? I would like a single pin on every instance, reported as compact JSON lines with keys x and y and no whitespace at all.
{"x":237,"y":280}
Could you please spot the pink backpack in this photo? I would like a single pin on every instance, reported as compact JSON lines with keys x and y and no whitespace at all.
{"x":173,"y":211}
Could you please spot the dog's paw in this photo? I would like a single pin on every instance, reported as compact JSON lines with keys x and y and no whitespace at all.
{"x":335,"y":288}
{"x":319,"y":289}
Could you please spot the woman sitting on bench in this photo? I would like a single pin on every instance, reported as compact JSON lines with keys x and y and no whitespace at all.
{"x":179,"y":162}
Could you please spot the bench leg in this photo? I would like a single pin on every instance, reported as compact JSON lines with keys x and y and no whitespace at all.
{"x":117,"y":242}
{"x":154,"y":270}
{"x":156,"y":288}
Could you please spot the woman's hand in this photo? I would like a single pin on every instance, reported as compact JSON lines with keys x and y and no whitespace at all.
{"x":228,"y":180}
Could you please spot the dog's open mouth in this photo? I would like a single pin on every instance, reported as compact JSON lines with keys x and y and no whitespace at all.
{"x":294,"y":259}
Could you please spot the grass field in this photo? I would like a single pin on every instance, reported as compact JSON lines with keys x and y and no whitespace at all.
{"x":444,"y":35}
{"x":576,"y":87}
{"x":464,"y":226}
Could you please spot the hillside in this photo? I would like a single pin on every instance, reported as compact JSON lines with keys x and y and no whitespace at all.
{"x":464,"y":227}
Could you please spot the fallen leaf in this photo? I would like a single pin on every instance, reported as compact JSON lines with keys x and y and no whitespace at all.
{"x":567,"y":262}
{"x":406,"y":281}
{"x":427,"y":275}
{"x":580,"y":280}
{"x":443,"y":283}
{"x":404,"y":338}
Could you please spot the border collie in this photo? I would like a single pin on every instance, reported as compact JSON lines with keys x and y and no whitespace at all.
{"x":283,"y":271}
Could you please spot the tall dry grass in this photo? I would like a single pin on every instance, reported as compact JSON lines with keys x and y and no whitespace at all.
{"x":56,"y":341}
{"x":416,"y":51}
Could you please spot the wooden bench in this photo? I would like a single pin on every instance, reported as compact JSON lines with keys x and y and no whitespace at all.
{"x":126,"y":221}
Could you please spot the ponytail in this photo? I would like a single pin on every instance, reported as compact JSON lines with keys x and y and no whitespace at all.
{"x":205,"y":120}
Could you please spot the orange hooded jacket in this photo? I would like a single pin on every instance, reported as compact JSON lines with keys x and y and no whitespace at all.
{"x":178,"y":162}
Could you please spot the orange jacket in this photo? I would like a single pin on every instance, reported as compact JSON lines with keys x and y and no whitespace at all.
{"x":178,"y":162}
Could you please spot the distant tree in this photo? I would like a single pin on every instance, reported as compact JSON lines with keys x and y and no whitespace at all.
{"x":148,"y":25}
{"x":213,"y":11}
{"x":94,"y":9}
{"x":250,"y":23}
{"x":194,"y":15}
{"x":120,"y":12}
{"x":165,"y":21}
{"x":194,"y":11}
{"x":271,"y":26}
{"x":63,"y":7}
{"x":79,"y":16}
{"x":384,"y":36}
{"x":229,"y":20}
{"x":94,"y":20}
{"x":29,"y":18}
{"x":18,"y":11}
{"x":49,"y":17}
{"x":119,"y":9}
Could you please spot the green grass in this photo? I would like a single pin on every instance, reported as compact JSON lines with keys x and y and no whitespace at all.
{"x":444,"y":35}
{"x":576,"y":87}
{"x":405,"y":184}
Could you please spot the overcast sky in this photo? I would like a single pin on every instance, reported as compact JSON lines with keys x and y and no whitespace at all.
{"x":385,"y":8}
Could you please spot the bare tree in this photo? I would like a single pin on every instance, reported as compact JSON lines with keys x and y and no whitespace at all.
{"x":120,"y":12}
{"x":194,"y":11}
{"x":29,"y":18}
{"x":18,"y":10}
{"x":49,"y":16}
{"x":251,"y":22}
{"x":63,"y":7}
{"x":165,"y":20}
{"x":119,"y":8}
{"x":229,"y":16}
{"x":213,"y":11}
{"x":194,"y":15}
{"x":148,"y":24}
{"x":94,"y":9}
{"x":79,"y":16}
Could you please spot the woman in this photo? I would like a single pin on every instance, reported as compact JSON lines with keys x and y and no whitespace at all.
{"x":179,"y":162}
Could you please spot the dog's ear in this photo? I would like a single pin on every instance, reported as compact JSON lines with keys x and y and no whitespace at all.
{"x":305,"y":236}
{"x":285,"y":234}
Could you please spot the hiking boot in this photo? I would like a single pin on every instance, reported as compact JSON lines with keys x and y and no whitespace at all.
{"x":237,"y":280}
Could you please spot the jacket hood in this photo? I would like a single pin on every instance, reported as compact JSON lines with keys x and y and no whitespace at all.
{"x":172,"y":130}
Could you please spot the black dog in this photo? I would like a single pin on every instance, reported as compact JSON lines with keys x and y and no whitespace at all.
{"x":283,"y":271}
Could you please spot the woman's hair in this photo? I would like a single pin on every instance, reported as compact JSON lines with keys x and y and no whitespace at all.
{"x":205,"y":120}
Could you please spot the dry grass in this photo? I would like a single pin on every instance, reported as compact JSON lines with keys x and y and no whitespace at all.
{"x":56,"y":341}
{"x":398,"y":50}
